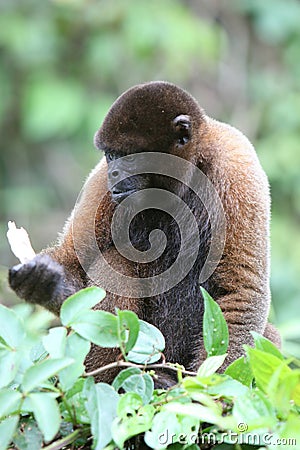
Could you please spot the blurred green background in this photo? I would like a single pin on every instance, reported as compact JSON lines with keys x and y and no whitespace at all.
{"x":64,"y":62}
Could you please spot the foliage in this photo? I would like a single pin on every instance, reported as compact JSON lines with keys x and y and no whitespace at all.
{"x":65,"y":61}
{"x":47,"y":397}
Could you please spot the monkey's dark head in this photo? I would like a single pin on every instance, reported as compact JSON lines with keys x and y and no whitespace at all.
{"x":152,"y":117}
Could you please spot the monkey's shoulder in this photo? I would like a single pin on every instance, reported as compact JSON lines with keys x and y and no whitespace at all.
{"x":231,"y":153}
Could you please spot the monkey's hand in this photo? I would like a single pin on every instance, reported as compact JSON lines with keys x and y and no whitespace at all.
{"x":42,"y":281}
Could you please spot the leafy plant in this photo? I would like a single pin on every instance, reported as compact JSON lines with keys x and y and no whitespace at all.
{"x":47,"y":399}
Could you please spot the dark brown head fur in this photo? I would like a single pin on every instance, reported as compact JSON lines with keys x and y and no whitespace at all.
{"x":141,"y":119}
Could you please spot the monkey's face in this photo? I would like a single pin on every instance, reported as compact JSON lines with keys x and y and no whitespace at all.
{"x":128,"y":173}
{"x":155,"y":117}
{"x":123,"y":179}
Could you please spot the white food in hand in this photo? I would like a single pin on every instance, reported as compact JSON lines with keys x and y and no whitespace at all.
{"x":20,"y":243}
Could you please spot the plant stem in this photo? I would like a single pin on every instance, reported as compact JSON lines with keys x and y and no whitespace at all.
{"x":64,"y":441}
{"x":139,"y":366}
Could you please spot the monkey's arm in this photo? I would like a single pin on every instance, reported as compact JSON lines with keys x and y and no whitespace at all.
{"x":240,"y":283}
{"x":55,"y":273}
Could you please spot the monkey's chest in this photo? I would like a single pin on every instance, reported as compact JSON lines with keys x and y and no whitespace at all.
{"x":178,"y":314}
{"x":176,"y":308}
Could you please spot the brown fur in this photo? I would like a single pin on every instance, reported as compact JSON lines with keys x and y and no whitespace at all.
{"x":140,"y":120}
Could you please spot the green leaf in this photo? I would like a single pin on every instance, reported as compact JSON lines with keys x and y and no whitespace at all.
{"x":128,"y":404}
{"x":228,"y":388}
{"x":296,"y":393}
{"x":9,"y":365}
{"x":255,"y":410}
{"x":264,"y":365}
{"x":29,"y":436}
{"x":165,"y":425}
{"x":168,"y":428}
{"x":36,"y":321}
{"x":128,"y":325}
{"x":200,"y":397}
{"x":126,"y":428}
{"x":123,"y":375}
{"x":99,"y":327}
{"x":196,"y":391}
{"x":46,"y":413}
{"x":262,"y":343}
{"x":76,"y":348}
{"x":135,"y":381}
{"x":81,"y":301}
{"x":11,"y":327}
{"x":101,"y":405}
{"x":42,"y":371}
{"x":215,"y":330}
{"x":291,"y":430}
{"x":7,"y":430}
{"x":77,"y":387}
{"x":142,"y":385}
{"x":55,"y":342}
{"x":23,"y":310}
{"x":9,"y":401}
{"x":38,"y":352}
{"x":240,"y":370}
{"x":211,"y":365}
{"x":282,"y":388}
{"x":216,"y":385}
{"x":149,"y":345}
{"x":200,"y":412}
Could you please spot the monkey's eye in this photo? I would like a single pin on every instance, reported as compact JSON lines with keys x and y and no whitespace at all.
{"x":109,"y":157}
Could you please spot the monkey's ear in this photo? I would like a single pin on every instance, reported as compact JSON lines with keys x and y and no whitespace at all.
{"x":182,"y":125}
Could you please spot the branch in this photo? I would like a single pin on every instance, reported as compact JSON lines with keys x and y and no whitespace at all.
{"x":64,"y":441}
{"x":113,"y":365}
